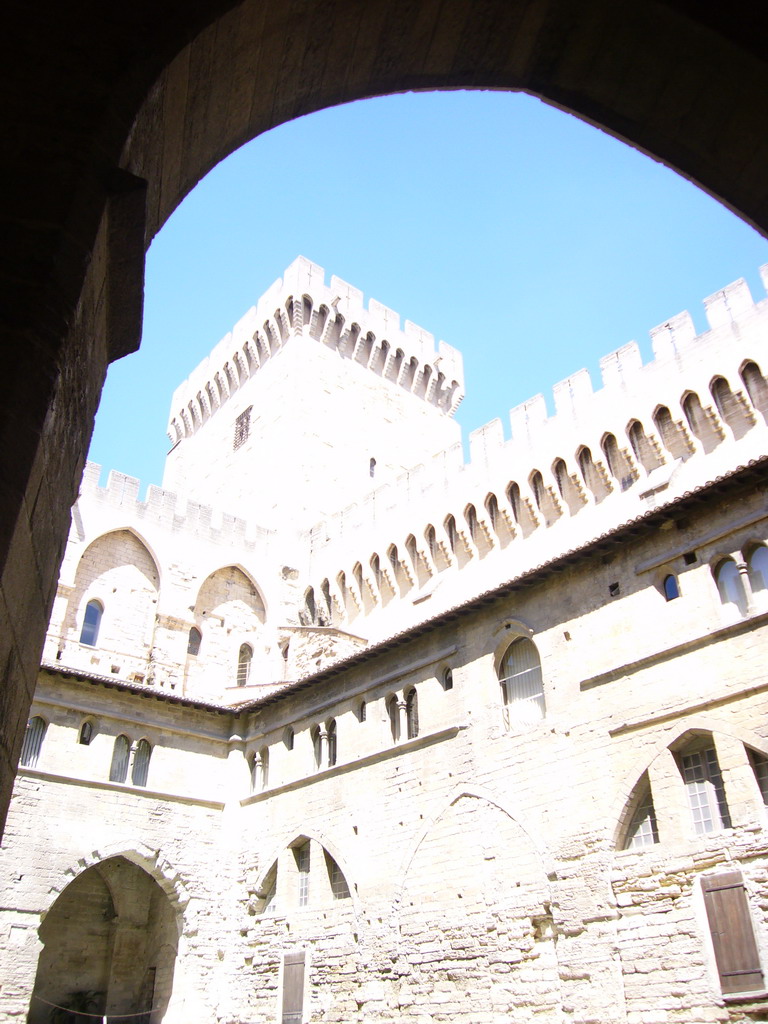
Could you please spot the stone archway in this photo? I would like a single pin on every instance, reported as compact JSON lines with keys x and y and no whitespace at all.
{"x":109,"y":947}
{"x":114,"y":114}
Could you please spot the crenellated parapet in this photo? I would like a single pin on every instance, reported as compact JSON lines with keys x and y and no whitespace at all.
{"x":170,"y":511}
{"x":648,"y":435}
{"x":334,"y":315}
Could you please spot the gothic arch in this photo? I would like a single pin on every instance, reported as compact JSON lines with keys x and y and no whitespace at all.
{"x":667,"y":739}
{"x":478,"y":793}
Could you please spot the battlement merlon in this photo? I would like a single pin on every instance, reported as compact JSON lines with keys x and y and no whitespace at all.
{"x":729,"y":308}
{"x":333,"y":315}
{"x":168,"y":509}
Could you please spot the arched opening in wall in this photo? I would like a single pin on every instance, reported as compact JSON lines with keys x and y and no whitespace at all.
{"x":109,"y":947}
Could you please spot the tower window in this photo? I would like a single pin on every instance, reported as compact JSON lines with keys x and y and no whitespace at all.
{"x":242,"y":428}
{"x":86,"y":733}
{"x":121,"y":754}
{"x":141,"y":763}
{"x":412,"y":714}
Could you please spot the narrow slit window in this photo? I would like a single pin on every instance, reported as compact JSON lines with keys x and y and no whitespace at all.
{"x":121,"y":754}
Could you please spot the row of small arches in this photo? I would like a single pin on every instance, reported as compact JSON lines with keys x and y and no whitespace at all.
{"x":329,"y":329}
{"x":127,"y":756}
{"x":473,"y":534}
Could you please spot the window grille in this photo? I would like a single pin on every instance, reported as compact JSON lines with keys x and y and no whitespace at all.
{"x":121,"y":753}
{"x":141,"y":763}
{"x":705,"y":790}
{"x":33,"y":742}
{"x":302,"y":864}
{"x":244,"y":659}
{"x":412,"y":714}
{"x":193,"y":643}
{"x":642,"y":830}
{"x":242,"y":428}
{"x":89,"y":634}
{"x":521,"y":683}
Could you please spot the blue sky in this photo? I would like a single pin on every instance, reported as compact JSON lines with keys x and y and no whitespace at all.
{"x":528,"y":239}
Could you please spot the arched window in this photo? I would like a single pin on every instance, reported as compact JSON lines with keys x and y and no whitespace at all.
{"x":331,"y":732}
{"x":701,"y":423}
{"x":731,"y":410}
{"x":372,"y":468}
{"x":89,"y":634}
{"x":141,"y":763}
{"x":288,"y":737}
{"x":522,"y":687}
{"x":729,"y":585}
{"x":244,"y":659}
{"x":447,"y":679}
{"x":376,"y":570}
{"x":193,"y":643}
{"x":645,"y":453}
{"x":470,"y":514}
{"x":393,"y":712}
{"x":33,"y":742}
{"x":412,"y":713}
{"x":671,"y":588}
{"x":121,"y":755}
{"x":317,"y":747}
{"x":759,"y":764}
{"x":642,"y":829}
{"x":86,"y":733}
{"x":362,"y":711}
{"x":757,"y":567}
{"x":704,"y":786}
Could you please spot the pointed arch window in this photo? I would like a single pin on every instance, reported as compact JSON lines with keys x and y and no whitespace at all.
{"x":244,"y":659}
{"x":33,"y":742}
{"x":86,"y":733}
{"x":121,"y":755}
{"x":141,"y":758}
{"x":317,"y":747}
{"x":89,"y":634}
{"x":642,"y":829}
{"x":522,"y":687}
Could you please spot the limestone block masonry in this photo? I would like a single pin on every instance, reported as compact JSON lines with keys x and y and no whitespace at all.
{"x":405,"y":739}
